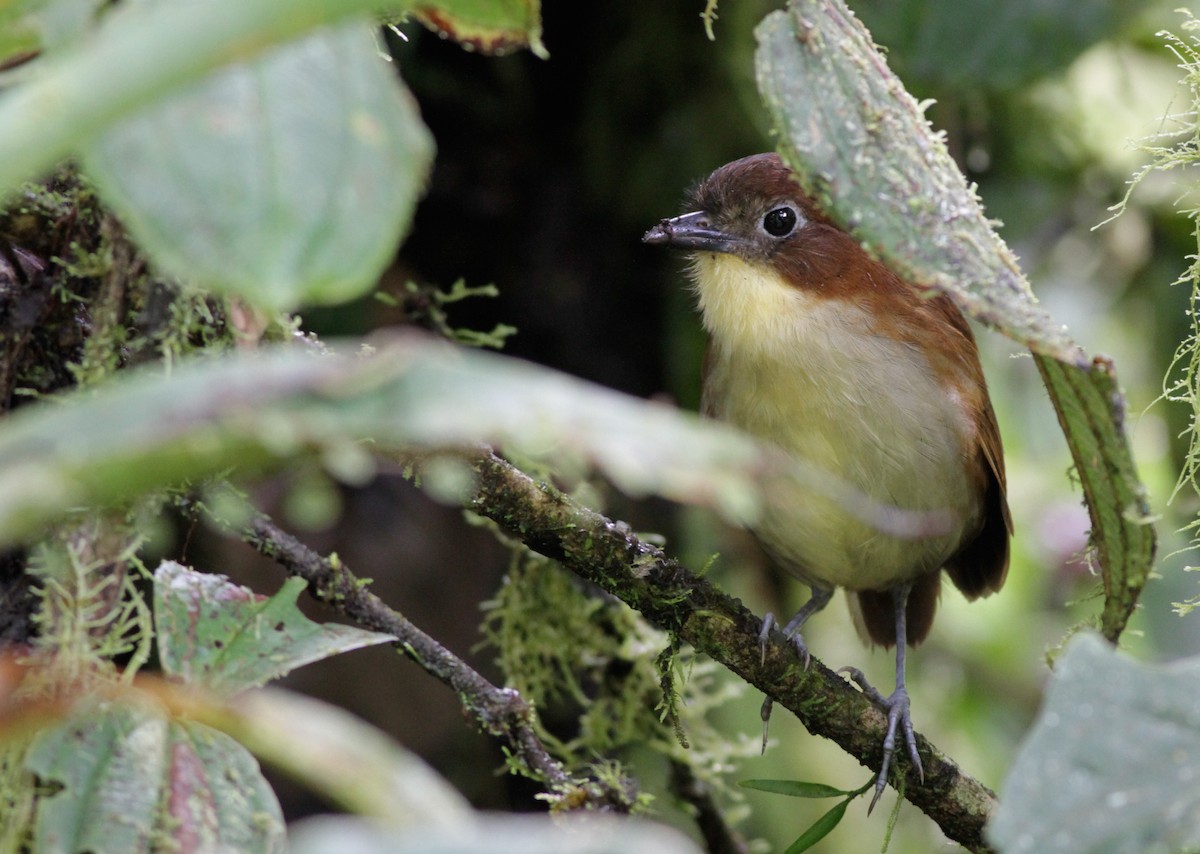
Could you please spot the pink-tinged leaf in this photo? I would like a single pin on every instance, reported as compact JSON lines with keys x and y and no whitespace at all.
{"x":225,"y":638}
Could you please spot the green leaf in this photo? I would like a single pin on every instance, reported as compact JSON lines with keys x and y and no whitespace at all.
{"x":820,"y":829}
{"x":253,"y":411}
{"x":145,"y":51}
{"x":794,"y":788}
{"x":350,"y":763}
{"x":226,"y":638}
{"x":1112,"y":761}
{"x":1091,"y":409}
{"x":997,"y":45}
{"x":494,"y":833}
{"x":488,"y":26}
{"x":126,"y":779}
{"x":285,"y":180}
{"x":29,"y":27}
{"x":140,"y":53}
{"x":862,"y":147}
{"x":18,"y":36}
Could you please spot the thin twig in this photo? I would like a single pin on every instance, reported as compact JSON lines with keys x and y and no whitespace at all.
{"x":500,"y":712}
{"x":719,"y":837}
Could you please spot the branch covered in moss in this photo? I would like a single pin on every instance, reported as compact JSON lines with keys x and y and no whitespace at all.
{"x":608,"y":554}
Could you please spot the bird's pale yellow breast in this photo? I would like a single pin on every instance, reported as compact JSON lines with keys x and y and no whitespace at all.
{"x":814,"y":376}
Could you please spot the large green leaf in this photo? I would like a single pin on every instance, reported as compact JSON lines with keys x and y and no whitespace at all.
{"x":156,"y":767}
{"x":122,"y":779}
{"x":1111,"y":763}
{"x":146,"y":51}
{"x":285,"y":180}
{"x":249,"y":412}
{"x":954,"y":45}
{"x":217,"y":635}
{"x":586,"y":833}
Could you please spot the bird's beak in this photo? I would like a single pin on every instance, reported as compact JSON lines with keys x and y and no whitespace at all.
{"x":692,"y":231}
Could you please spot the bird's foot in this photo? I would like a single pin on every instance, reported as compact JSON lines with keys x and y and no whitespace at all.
{"x":897,"y":708}
{"x":797,"y":641}
{"x":791,"y":635}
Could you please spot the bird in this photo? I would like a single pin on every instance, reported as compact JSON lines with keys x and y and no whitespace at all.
{"x":817,"y":348}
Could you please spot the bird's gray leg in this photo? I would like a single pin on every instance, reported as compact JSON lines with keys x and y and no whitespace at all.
{"x":791,"y":632}
{"x":897,"y":705}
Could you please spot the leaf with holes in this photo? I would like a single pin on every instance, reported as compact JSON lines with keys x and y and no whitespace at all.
{"x":227,"y":638}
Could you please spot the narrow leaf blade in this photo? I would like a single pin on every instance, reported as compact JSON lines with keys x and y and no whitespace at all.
{"x":793,"y":788}
{"x":820,"y":829}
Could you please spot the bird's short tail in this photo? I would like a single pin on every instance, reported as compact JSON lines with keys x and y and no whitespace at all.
{"x":875,"y":615}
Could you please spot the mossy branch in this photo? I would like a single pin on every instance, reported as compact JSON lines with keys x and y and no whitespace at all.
{"x":607,"y":554}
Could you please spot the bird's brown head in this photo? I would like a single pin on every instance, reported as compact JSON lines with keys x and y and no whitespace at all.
{"x":754,"y":210}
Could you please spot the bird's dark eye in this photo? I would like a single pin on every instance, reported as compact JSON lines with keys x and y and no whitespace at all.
{"x":780,"y":222}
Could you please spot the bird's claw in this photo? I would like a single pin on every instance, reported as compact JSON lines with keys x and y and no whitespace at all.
{"x":797,"y":642}
{"x":793,"y":637}
{"x":765,"y":714}
{"x":897,"y":708}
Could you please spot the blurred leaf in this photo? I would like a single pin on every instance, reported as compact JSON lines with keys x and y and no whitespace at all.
{"x":496,"y":834}
{"x":820,"y":828}
{"x":286,"y":180}
{"x":489,"y":26}
{"x":145,"y":51}
{"x":225,"y":638}
{"x":347,"y":761}
{"x":253,"y":411}
{"x":37,"y":26}
{"x":793,"y":788}
{"x":953,"y":45}
{"x":862,"y":146}
{"x":140,"y":53}
{"x":124,"y":779}
{"x":19,"y":34}
{"x":1111,"y":763}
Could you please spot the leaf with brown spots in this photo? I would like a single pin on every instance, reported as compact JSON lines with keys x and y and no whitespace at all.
{"x":488,"y":26}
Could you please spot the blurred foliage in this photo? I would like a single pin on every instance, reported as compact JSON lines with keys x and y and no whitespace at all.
{"x":943,"y":45}
{"x":547,"y":172}
{"x":1136,"y":796}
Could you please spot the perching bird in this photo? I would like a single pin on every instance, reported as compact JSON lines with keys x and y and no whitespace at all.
{"x":821,"y":350}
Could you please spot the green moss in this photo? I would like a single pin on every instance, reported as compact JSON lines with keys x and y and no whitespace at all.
{"x":425,"y":305}
{"x":608,"y":680}
{"x":91,"y":611}
{"x":1174,"y":149}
